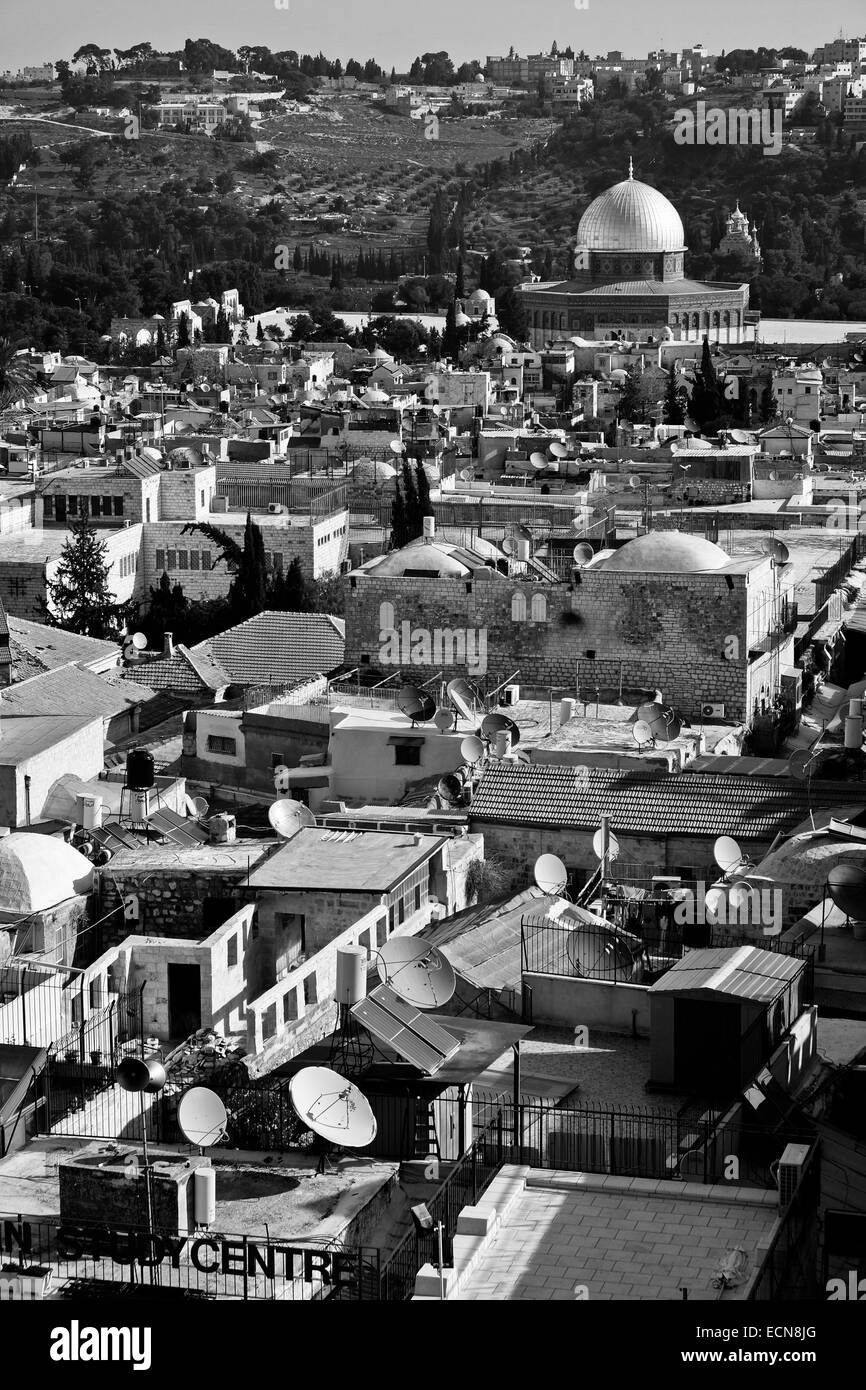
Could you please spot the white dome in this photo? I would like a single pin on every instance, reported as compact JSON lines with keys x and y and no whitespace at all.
{"x":38,"y":872}
{"x":667,"y":552}
{"x":631,"y":216}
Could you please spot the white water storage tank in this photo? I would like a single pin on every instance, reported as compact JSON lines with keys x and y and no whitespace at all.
{"x":351,"y":975}
{"x":566,"y":710}
{"x":523,"y":550}
{"x":429,"y":524}
{"x":853,"y":732}
{"x":503,"y":743}
{"x":204,"y":1192}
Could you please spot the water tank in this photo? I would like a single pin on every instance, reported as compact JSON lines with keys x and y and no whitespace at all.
{"x":502,"y":745}
{"x":524,"y":550}
{"x":139,"y":807}
{"x":90,"y":811}
{"x":351,"y":975}
{"x":566,"y":710}
{"x":139,"y":769}
{"x":429,"y":524}
{"x":854,"y":732}
{"x":855,"y":708}
{"x":204,"y":1195}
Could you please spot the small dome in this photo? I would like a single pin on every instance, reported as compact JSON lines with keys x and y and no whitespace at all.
{"x":185,"y":455}
{"x":370,"y":473}
{"x":421,"y":556}
{"x":631,"y":216}
{"x":38,"y":872}
{"x":373,"y":396}
{"x":462,"y":320}
{"x":480,"y":297}
{"x":667,"y":552}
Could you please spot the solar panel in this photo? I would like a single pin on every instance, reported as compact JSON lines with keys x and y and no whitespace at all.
{"x":420,"y":1023}
{"x":387,"y":1029}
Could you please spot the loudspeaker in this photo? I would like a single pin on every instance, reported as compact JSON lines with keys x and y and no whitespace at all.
{"x":135,"y":1075}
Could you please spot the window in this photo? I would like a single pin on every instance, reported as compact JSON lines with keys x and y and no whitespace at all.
{"x":232,"y":957}
{"x":278,"y":562}
{"x":147,"y":509}
{"x":160,"y":559}
{"x":417,"y":897}
{"x":193,"y":559}
{"x":407,"y":756}
{"x":401,"y":911}
{"x":518,"y":608}
{"x":254,"y":929}
{"x":310,"y":992}
{"x":539,"y":608}
{"x":106,"y":506}
{"x":118,"y":505}
{"x":182,"y":560}
{"x":48,"y":508}
{"x":225,"y":746}
{"x":290,"y":1006}
{"x":171,"y":560}
{"x":94,"y":506}
{"x":277,"y":760}
{"x":205,"y":560}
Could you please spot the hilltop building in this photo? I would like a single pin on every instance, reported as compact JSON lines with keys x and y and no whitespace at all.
{"x":740,"y":239}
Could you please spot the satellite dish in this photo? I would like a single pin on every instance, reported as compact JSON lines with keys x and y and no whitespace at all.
{"x":509,"y":546}
{"x":777,"y":550}
{"x":690,"y":426}
{"x":139,"y":641}
{"x":727,"y":853}
{"x":582,"y":554}
{"x":494,"y":724}
{"x":846,"y":884}
{"x":467,"y":475}
{"x":436,"y":411}
{"x":135,"y":1075}
{"x":450,"y":788}
{"x":472,"y":749}
{"x":288,"y":817}
{"x":395,"y":446}
{"x":559,"y":451}
{"x":523,"y":533}
{"x":664,"y":724}
{"x":773,"y":476}
{"x":800,"y":763}
{"x":85,"y":847}
{"x":417,"y":704}
{"x":550,"y":874}
{"x":538,"y":461}
{"x":417,"y":972}
{"x":643,"y":734}
{"x":444,"y":720}
{"x":201,"y":1117}
{"x":200,"y":807}
{"x":463,"y":697}
{"x":332,"y":1107}
{"x":612,"y":845}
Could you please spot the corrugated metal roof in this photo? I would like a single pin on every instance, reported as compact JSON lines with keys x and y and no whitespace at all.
{"x":642,"y":803}
{"x":742,"y":972}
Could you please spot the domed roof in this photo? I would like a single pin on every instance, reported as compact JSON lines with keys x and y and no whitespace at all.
{"x":38,"y":872}
{"x":462,"y":320}
{"x":805,"y":859}
{"x":185,"y":454}
{"x":420,"y":556}
{"x":631,"y":216}
{"x":480,"y":296}
{"x":370,"y":473}
{"x":667,"y":552}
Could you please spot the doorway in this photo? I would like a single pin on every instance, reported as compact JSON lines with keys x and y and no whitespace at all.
{"x":184,"y":1000}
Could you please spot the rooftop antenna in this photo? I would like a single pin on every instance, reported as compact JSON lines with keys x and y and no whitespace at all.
{"x":288,"y":817}
{"x":418,"y":705}
{"x":201,"y":1117}
{"x":550,"y":875}
{"x":419,"y":973}
{"x":334,"y":1109}
{"x":464,"y":698}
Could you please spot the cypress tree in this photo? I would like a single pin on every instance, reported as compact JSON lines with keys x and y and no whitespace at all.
{"x":673,"y":413}
{"x":399,"y":536}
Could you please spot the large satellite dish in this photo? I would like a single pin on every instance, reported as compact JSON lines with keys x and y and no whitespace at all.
{"x":664,"y":724}
{"x":800,"y":764}
{"x":332,"y":1107}
{"x":444,"y":720}
{"x":777,"y":550}
{"x":550,"y":874}
{"x":559,"y":451}
{"x":288,"y":817}
{"x":727,"y":853}
{"x":494,"y":724}
{"x":846,"y":884}
{"x":463,"y":697}
{"x":582,"y":554}
{"x":395,"y":446}
{"x":471,"y":749}
{"x":643,"y":734}
{"x":538,"y":461}
{"x":201,"y":1117}
{"x":741,"y":437}
{"x":417,"y":972}
{"x":417,"y":704}
{"x":450,"y":788}
{"x":598,"y":845}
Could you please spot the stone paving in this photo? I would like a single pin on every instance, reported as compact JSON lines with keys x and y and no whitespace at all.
{"x":633,"y":1244}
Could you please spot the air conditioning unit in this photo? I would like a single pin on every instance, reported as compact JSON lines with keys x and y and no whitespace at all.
{"x":510,"y":695}
{"x":712,"y":711}
{"x":223,"y":829}
{"x":275,"y":509}
{"x":790,"y":1171}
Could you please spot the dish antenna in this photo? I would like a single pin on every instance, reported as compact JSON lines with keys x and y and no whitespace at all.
{"x":846,"y":884}
{"x":450,"y":788}
{"x":472,"y":750}
{"x":665,"y":725}
{"x":196,"y":807}
{"x":741,"y":437}
{"x":133,"y":643}
{"x":643,"y":734}
{"x":598,"y":845}
{"x":417,"y":972}
{"x":509,"y":546}
{"x":395,"y":446}
{"x":800,"y":764}
{"x":463,"y":697}
{"x":332,"y":1107}
{"x":538,"y":461}
{"x":201,"y":1117}
{"x":582,"y":554}
{"x":559,"y":451}
{"x":634,"y":482}
{"x":727,"y":854}
{"x":777,"y":550}
{"x":690,"y":426}
{"x":418,"y":705}
{"x":494,"y":724}
{"x":467,"y":475}
{"x":444,"y":719}
{"x":550,"y":875}
{"x":288,"y":817}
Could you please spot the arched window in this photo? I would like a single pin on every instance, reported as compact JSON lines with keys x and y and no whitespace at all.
{"x":539,"y":608}
{"x":518,"y":608}
{"x":387,"y":620}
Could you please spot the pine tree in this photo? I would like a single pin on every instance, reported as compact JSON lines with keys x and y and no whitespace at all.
{"x":294,"y":590}
{"x":169,"y":612}
{"x":673,"y":413}
{"x":250,"y":585}
{"x":450,"y":343}
{"x":298,"y":259}
{"x":79,"y":598}
{"x":769,"y":405}
{"x":632,"y":404}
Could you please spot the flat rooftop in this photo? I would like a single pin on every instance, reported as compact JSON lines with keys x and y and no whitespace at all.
{"x":31,"y":735}
{"x":174,"y":858}
{"x":630,"y":1239}
{"x":361,"y":861}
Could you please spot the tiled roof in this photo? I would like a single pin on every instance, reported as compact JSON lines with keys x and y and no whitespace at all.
{"x":70,"y":690}
{"x":177,"y":673}
{"x":274,"y":648}
{"x":37,"y":647}
{"x":639,"y":803}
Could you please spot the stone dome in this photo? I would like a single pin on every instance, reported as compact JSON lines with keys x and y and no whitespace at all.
{"x":423,"y":556}
{"x":38,"y":872}
{"x":372,"y":473}
{"x":480,"y":296}
{"x":631,"y":216}
{"x":667,"y":552}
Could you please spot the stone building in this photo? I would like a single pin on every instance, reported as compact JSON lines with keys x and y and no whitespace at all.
{"x":740,"y":239}
{"x":629,"y":278}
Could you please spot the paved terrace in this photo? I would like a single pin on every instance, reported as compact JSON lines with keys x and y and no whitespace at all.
{"x":630,"y":1239}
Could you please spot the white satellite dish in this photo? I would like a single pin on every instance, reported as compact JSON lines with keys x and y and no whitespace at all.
{"x":139,"y":641}
{"x":582,"y":554}
{"x":463,"y":697}
{"x":444,"y":719}
{"x":471,"y":749}
{"x":417,"y":972}
{"x":332,"y":1107}
{"x":201,"y":1117}
{"x":727,"y":853}
{"x":643,"y":734}
{"x":288,"y":817}
{"x":550,"y":874}
{"x":395,"y":446}
{"x":559,"y":451}
{"x":612,"y":845}
{"x":467,"y":475}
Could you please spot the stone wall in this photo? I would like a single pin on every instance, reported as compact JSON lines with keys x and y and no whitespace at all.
{"x":171,"y":901}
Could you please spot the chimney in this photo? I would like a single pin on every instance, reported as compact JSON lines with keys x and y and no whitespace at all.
{"x":168,"y":644}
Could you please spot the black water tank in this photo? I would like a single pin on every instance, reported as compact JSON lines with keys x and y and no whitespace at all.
{"x":139,"y":769}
